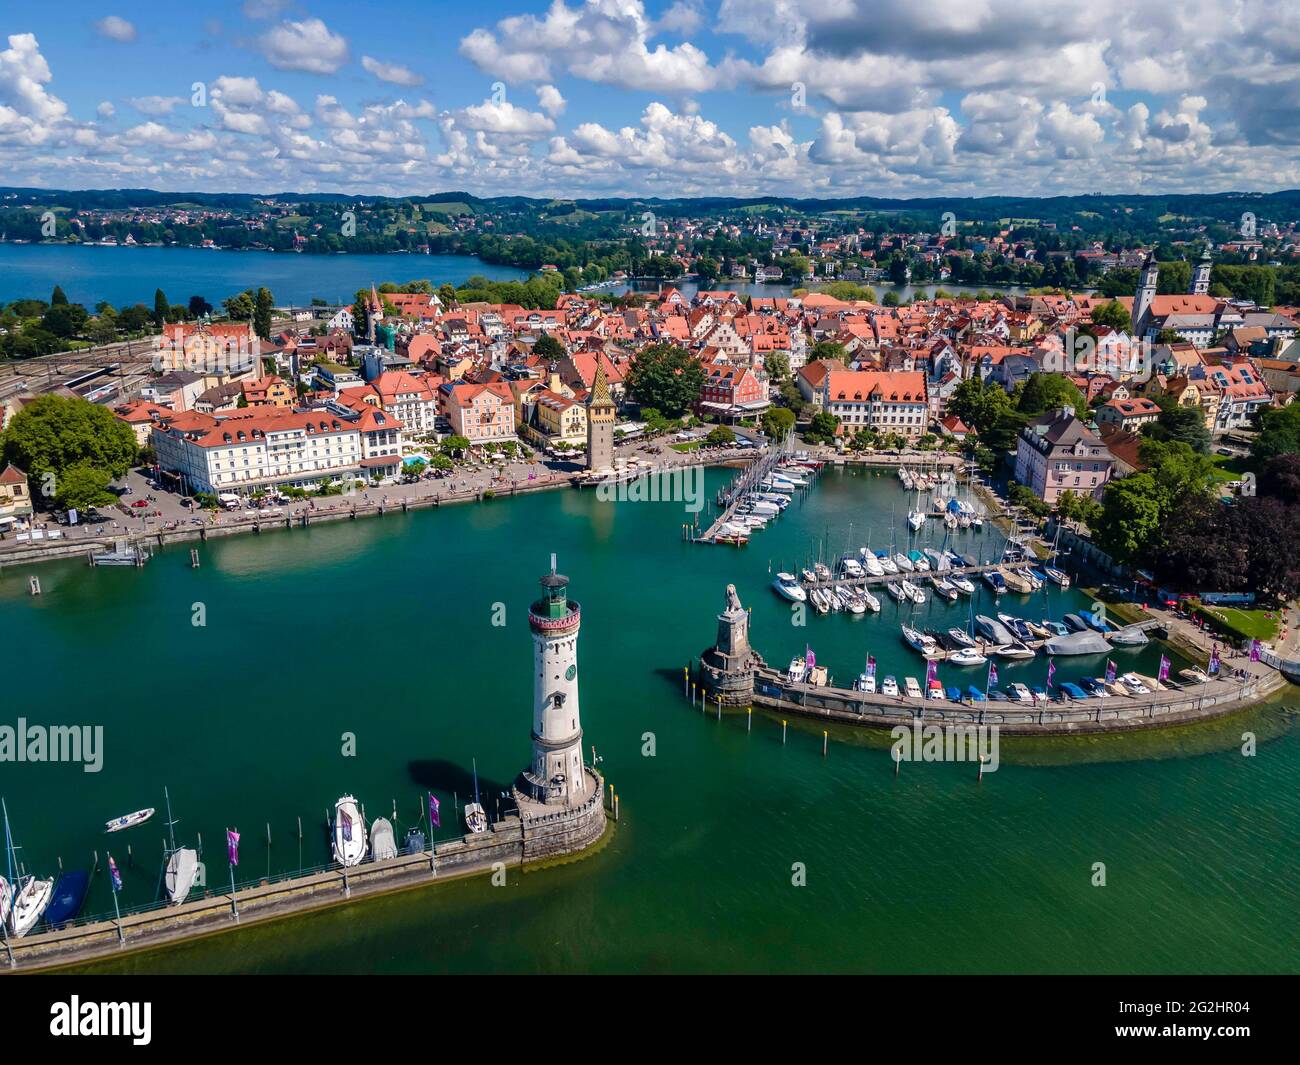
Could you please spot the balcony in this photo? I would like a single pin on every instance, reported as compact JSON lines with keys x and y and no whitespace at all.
{"x":543,"y":622}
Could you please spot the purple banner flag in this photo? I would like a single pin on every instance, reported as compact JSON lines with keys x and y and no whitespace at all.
{"x":1164,"y":669}
{"x":1110,"y":671}
{"x":232,"y":846}
{"x":1255,"y":648}
{"x":931,"y":671}
{"x":1051,"y":671}
{"x":114,"y":874}
{"x":434,"y":819}
{"x":809,"y":658}
{"x":871,"y":665}
{"x":993,"y":675}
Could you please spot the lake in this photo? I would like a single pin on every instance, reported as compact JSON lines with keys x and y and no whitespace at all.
{"x":385,"y":629}
{"x":125,"y":276}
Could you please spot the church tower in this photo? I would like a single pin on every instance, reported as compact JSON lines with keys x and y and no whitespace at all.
{"x":556,"y":776}
{"x":374,"y":313}
{"x":1201,"y":275}
{"x":600,"y":422}
{"x":1145,"y":295}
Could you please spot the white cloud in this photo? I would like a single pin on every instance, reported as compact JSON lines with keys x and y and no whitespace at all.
{"x":394,"y":73}
{"x":309,"y":45}
{"x":115,"y":29}
{"x":504,"y":117}
{"x":106,"y":109}
{"x":155,"y":105}
{"x":550,"y":100}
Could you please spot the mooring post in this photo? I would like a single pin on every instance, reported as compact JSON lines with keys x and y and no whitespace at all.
{"x":749,"y":719}
{"x":898,"y":760}
{"x":980,"y":776}
{"x":783,"y":724}
{"x":825,"y":741}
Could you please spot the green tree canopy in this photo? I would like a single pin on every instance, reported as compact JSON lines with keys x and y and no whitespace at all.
{"x":82,"y":486}
{"x":547,"y":347}
{"x":666,"y":377}
{"x":54,"y":433}
{"x":1047,"y":391}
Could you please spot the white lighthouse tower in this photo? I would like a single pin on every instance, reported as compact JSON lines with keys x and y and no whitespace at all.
{"x":556,"y":775}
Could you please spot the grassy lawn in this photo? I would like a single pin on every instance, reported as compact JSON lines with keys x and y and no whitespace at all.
{"x":1254,"y":623}
{"x":689,"y":445}
{"x":1228,"y":467}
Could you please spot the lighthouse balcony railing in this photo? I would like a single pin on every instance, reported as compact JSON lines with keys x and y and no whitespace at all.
{"x":546,"y":623}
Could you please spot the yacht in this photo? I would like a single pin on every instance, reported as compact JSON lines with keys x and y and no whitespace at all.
{"x":911,"y":688}
{"x":896,"y":590}
{"x":866,"y":684}
{"x":808,"y":575}
{"x":798,"y":670}
{"x":475,"y":816}
{"x":851,"y":567}
{"x":349,"y":832}
{"x":912,"y":592}
{"x":961,"y":637}
{"x":915,"y":519}
{"x":994,"y":579}
{"x":788,"y":587}
{"x":1012,"y":650}
{"x":962,"y":584}
{"x":1134,"y":684}
{"x":886,"y":562}
{"x":903,"y":563}
{"x":382,"y":844}
{"x":1075,"y":623}
{"x":871,"y":565}
{"x":944,"y":588}
{"x":851,"y":601}
{"x":1195,"y":675}
{"x":967,"y":656}
{"x":128,"y":820}
{"x":889,"y":686}
{"x":30,"y":898}
{"x":1019,"y":692}
{"x":1017,"y":627}
{"x":1056,"y":576}
{"x":919,"y":641}
{"x":1053,"y":628}
{"x":822,"y":570}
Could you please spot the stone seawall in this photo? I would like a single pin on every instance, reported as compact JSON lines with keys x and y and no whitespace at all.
{"x":511,"y":842}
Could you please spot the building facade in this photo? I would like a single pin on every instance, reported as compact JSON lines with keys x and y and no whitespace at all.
{"x":1057,"y":453}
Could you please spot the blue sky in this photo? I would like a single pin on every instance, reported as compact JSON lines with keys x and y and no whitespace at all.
{"x":667,"y":97}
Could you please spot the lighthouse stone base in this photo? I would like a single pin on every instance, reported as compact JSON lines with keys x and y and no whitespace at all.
{"x":551,"y":830}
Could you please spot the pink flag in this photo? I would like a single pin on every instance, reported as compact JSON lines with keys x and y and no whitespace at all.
{"x":931,"y":671}
{"x":434,"y":819}
{"x":1164,"y":669}
{"x":232,"y":846}
{"x":1110,"y":671}
{"x":809,"y":658}
{"x":1255,"y":649}
{"x":1051,"y":671}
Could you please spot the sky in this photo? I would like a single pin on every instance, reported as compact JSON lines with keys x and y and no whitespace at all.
{"x":574,"y":98}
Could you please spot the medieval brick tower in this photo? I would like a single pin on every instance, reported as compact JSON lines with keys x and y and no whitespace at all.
{"x":555,"y":776}
{"x":600,"y":423}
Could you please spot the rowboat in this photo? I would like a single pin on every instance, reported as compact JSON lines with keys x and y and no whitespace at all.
{"x":129,"y":820}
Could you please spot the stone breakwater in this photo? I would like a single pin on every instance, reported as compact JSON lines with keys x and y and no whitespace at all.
{"x":513,"y":842}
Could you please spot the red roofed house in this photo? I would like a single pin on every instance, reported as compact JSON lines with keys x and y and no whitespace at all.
{"x":870,"y":399}
{"x":732,"y":391}
{"x":482,"y":414}
{"x":1130,"y":414}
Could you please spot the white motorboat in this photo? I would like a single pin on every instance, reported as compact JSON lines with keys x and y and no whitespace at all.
{"x":382,"y":843}
{"x":872,"y":603}
{"x":915,"y":519}
{"x":1020,"y":693}
{"x":889,"y":686}
{"x":182,"y":870}
{"x":1195,"y":675}
{"x":902,"y":562}
{"x":871,"y":565}
{"x":798,"y":670}
{"x":866,"y":684}
{"x":30,"y":897}
{"x":1133,"y":637}
{"x":896,"y":590}
{"x":1134,"y":684}
{"x":808,"y":575}
{"x":961,"y":637}
{"x":911,"y":688}
{"x":475,"y":818}
{"x":961,"y":584}
{"x":887,"y":564}
{"x":920,"y":641}
{"x":851,"y":567}
{"x":1012,"y":650}
{"x":852,"y":601}
{"x":967,"y":656}
{"x":128,"y":820}
{"x":788,"y":587}
{"x":349,"y":832}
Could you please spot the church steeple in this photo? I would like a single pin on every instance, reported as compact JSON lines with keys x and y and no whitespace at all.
{"x":1201,"y":275}
{"x":1145,"y":295}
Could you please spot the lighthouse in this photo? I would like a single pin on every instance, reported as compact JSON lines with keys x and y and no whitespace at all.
{"x":555,"y":777}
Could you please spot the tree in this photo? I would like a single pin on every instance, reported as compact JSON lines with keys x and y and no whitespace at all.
{"x":719,"y":436}
{"x":1181,"y":423}
{"x":54,"y":433}
{"x":821,"y":428}
{"x":1048,"y":391}
{"x":81,"y":487}
{"x":1279,"y":433}
{"x":777,"y":422}
{"x":1112,"y":314}
{"x":65,"y":319}
{"x":1280,"y":479}
{"x":263,"y":305}
{"x":160,"y":308}
{"x":455,"y":445}
{"x":199,"y":307}
{"x":1130,"y":519}
{"x":57,"y":298}
{"x":666,"y":377}
{"x":777,"y":365}
{"x":239,"y":306}
{"x":548,"y":348}
{"x":829,"y":349}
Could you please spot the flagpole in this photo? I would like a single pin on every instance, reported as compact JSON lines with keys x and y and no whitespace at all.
{"x":121,"y":939}
{"x":234,"y":902}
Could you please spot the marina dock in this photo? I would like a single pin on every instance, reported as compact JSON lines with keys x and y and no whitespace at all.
{"x":747,"y":483}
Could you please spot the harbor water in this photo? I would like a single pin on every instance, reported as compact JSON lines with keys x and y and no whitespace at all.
{"x":381,"y":657}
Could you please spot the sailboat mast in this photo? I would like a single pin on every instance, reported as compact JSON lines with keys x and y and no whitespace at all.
{"x":9,"y":840}
{"x":475,"y":780}
{"x":171,"y":824}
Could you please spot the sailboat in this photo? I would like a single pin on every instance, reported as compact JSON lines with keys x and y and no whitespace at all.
{"x":182,"y":862}
{"x":475,"y":817}
{"x":28,"y":895}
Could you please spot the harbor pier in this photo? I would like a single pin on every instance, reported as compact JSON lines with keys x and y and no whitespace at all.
{"x":732,"y":673}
